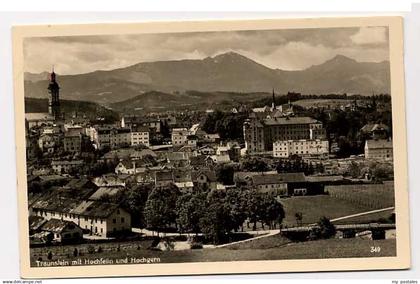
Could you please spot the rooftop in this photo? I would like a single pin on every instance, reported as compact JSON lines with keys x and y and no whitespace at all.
{"x":290,"y":120}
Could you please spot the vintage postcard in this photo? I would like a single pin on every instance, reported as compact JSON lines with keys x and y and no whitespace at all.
{"x":174,"y":148}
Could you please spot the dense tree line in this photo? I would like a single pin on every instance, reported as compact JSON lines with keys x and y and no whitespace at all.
{"x":227,"y":125}
{"x":213,"y":213}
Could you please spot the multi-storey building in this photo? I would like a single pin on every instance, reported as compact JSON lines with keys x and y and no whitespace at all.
{"x":140,"y":136}
{"x":380,"y":149}
{"x":259,"y":134}
{"x":72,"y":142}
{"x":111,"y":137}
{"x":303,"y":147}
{"x":179,"y":136}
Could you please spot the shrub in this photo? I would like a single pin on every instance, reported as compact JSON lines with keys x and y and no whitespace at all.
{"x":91,"y":249}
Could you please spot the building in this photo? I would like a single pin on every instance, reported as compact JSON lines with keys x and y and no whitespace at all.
{"x":140,"y":136}
{"x":205,"y":178}
{"x":163,"y":178}
{"x":108,"y":136}
{"x":375,"y":131}
{"x":38,"y":119}
{"x":179,"y":136}
{"x":380,"y":149}
{"x":54,"y":98}
{"x":49,"y":143}
{"x":63,"y":231}
{"x":98,"y":218}
{"x":65,"y":166}
{"x":133,"y":121}
{"x":285,"y":184}
{"x":303,"y":147}
{"x":72,"y":142}
{"x":271,"y":184}
{"x":259,"y":134}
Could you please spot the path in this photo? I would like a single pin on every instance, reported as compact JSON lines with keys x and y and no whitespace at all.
{"x":361,"y":214}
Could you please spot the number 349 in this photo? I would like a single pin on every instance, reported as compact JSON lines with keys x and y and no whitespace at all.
{"x":375,"y":249}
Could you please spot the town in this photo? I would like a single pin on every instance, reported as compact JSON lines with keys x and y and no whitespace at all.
{"x":290,"y":168}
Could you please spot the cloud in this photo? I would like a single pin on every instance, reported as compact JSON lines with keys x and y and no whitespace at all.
{"x":370,"y":35}
{"x":284,"y":49}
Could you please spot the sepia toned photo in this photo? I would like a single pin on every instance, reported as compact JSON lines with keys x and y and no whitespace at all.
{"x":213,"y":147}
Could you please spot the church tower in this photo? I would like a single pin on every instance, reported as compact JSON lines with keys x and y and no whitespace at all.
{"x":54,"y":97}
{"x":273,"y":103}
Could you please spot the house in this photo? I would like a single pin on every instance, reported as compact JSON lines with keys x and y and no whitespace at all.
{"x":179,"y":136}
{"x":380,"y":149}
{"x":38,"y":119}
{"x":375,"y":130}
{"x":205,"y":178}
{"x":49,"y":143}
{"x":98,"y":218}
{"x":66,"y":166}
{"x":35,"y":224}
{"x":128,"y":167}
{"x":140,"y":136}
{"x":72,"y":142}
{"x":201,"y":161}
{"x":192,"y":140}
{"x":271,"y":184}
{"x":284,"y":184}
{"x":178,"y":159}
{"x":63,"y":231}
{"x":163,"y":178}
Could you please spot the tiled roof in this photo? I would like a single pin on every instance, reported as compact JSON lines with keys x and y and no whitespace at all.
{"x":378,"y":144}
{"x":278,"y":178}
{"x":290,"y":120}
{"x":57,"y":225}
{"x":164,"y":176}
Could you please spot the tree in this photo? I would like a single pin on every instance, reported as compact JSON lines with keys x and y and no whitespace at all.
{"x":236,"y":201}
{"x":160,"y":207}
{"x":324,"y":229}
{"x":255,"y":165}
{"x":225,"y":174}
{"x":273,"y":213}
{"x":190,"y":209}
{"x":299,"y":218}
{"x":213,"y":224}
{"x":135,"y":202}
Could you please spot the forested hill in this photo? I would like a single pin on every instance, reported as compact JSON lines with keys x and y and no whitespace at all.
{"x":90,"y":110}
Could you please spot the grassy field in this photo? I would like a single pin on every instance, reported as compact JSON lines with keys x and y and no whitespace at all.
{"x":274,"y":241}
{"x":332,"y":248}
{"x":314,"y":207}
{"x":372,"y":196}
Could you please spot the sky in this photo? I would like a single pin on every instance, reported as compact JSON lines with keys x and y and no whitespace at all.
{"x":284,"y":49}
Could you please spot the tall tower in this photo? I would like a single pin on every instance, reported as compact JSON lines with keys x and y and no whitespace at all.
{"x":54,"y":97}
{"x":273,"y":103}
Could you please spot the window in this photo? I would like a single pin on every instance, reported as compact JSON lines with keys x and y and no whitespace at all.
{"x":122,"y":219}
{"x":114,"y":221}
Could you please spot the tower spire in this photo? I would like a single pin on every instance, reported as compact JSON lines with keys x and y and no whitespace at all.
{"x":273,"y":104}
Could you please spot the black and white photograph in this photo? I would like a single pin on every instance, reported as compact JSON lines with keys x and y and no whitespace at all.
{"x":216,"y":145}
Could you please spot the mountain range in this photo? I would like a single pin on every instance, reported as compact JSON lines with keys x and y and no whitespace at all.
{"x":224,"y":73}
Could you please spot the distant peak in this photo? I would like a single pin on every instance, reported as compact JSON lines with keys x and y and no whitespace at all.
{"x":341,"y":58}
{"x":229,"y":54}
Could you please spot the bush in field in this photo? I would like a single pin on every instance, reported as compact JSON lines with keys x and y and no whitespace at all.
{"x":50,"y":255}
{"x":91,"y":249}
{"x":324,"y":230}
